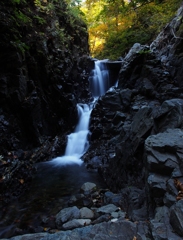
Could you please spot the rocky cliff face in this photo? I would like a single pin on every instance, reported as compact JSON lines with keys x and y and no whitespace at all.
{"x":137,"y":130}
{"x":43,"y":75}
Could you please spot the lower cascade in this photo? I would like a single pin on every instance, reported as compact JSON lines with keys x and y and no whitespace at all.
{"x":77,"y":143}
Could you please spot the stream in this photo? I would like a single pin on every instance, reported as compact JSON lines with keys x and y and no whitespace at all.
{"x":57,"y":180}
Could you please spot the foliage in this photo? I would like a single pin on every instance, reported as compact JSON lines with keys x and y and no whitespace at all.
{"x":20,"y":46}
{"x":18,"y":1}
{"x":40,"y":19}
{"x":115,"y":25}
{"x":21,"y":17}
{"x":25,"y":22}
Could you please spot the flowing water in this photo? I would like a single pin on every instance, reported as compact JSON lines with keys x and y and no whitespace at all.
{"x":61,"y":177}
{"x":77,"y":143}
{"x":99,"y":79}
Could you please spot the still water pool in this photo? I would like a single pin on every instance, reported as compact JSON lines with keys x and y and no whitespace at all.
{"x":50,"y":191}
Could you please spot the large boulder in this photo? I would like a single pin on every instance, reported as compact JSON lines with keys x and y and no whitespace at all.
{"x":66,"y":215}
{"x":163,"y":163}
{"x":176,"y":216}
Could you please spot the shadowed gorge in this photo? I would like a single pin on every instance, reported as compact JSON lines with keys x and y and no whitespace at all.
{"x":90,"y":148}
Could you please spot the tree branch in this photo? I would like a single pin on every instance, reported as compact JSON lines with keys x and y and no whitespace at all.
{"x":175,"y":36}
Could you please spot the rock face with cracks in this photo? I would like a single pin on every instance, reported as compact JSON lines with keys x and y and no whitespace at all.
{"x":137,"y":133}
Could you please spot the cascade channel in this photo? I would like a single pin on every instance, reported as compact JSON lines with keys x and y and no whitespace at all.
{"x":77,"y":143}
{"x":58,"y":179}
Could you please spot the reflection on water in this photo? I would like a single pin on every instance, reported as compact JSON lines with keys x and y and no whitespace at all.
{"x":51,"y":188}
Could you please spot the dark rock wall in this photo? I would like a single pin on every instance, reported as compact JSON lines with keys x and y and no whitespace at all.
{"x":43,"y":56}
{"x":43,"y":75}
{"x":136,"y":140}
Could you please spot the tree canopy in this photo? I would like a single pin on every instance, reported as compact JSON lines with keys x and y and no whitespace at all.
{"x":115,"y":25}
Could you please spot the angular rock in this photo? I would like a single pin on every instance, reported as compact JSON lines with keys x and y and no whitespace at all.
{"x":67,"y":214}
{"x":119,"y":116}
{"x":142,"y":122}
{"x":110,"y":197}
{"x":170,"y":115}
{"x":157,"y":184}
{"x":168,"y":140}
{"x":161,"y":228}
{"x":107,"y":209}
{"x":103,"y":218}
{"x":75,"y":223}
{"x":88,"y":187}
{"x":120,"y":229}
{"x":176,"y":217}
{"x":86,"y":213}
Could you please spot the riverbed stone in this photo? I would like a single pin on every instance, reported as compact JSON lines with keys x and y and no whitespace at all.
{"x":121,"y":229}
{"x":88,"y":187}
{"x":67,"y":214}
{"x":76,"y":200}
{"x":103,"y":218}
{"x":75,"y":223}
{"x":86,"y":213}
{"x":176,"y":216}
{"x":107,"y":209}
{"x":160,"y":225}
{"x":110,"y":197}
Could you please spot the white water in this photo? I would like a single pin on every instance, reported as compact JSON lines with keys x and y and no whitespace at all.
{"x":77,"y":143}
{"x":99,"y":81}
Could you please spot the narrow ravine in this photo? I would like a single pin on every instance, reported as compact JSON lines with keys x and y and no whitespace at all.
{"x":58,"y":179}
{"x":77,"y":143}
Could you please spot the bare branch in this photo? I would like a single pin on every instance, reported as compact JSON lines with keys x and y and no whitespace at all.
{"x":175,"y":36}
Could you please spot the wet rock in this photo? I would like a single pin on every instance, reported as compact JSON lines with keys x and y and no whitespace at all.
{"x":161,"y":228}
{"x":126,"y":97}
{"x":107,"y":209}
{"x":88,"y":187}
{"x":157,"y":184}
{"x":76,"y":200}
{"x":87,"y":201}
{"x":170,"y":141}
{"x":120,"y":229}
{"x":102,"y":218}
{"x":169,"y":115}
{"x":119,"y":116}
{"x":75,"y":223}
{"x":110,"y":197}
{"x":94,"y":163}
{"x":176,"y":216}
{"x":86,"y":213}
{"x":67,"y":214}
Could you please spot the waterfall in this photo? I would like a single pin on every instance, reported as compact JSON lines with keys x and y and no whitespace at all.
{"x":99,"y":79}
{"x":77,"y":142}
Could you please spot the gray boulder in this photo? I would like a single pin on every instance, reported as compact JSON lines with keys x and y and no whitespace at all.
{"x":176,"y":217}
{"x":86,"y":213}
{"x":108,"y":209}
{"x":160,"y":225}
{"x":88,"y":187}
{"x":121,"y":229}
{"x":75,"y":223}
{"x":170,"y":115}
{"x":67,"y":214}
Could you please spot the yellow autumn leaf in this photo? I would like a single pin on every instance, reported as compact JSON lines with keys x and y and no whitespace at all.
{"x":21,"y":181}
